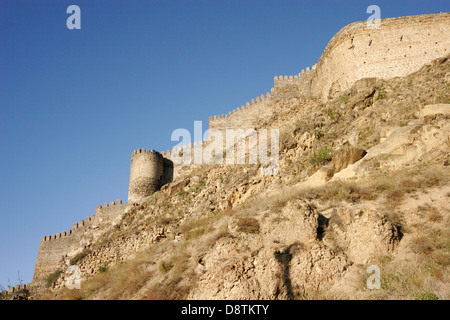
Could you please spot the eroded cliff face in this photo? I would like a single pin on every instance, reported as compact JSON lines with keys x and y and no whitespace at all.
{"x":288,"y":258}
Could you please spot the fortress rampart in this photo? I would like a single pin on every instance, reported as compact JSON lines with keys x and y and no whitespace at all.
{"x":302,"y":80}
{"x":63,"y":245}
{"x":399,"y":47}
{"x":261,"y":108}
{"x":245,"y":116}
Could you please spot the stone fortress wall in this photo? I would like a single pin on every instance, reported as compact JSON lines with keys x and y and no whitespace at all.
{"x":149,"y":170}
{"x":252,"y":113}
{"x":245,"y":116}
{"x":55,"y":248}
{"x":401,"y":46}
{"x":302,"y":80}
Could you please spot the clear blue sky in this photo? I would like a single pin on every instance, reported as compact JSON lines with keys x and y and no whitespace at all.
{"x":74,"y":104}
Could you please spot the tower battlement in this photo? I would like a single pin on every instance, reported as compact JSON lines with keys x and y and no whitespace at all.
{"x":149,"y":170}
{"x":146,"y":174}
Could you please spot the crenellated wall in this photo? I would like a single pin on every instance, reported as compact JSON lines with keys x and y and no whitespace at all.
{"x":54,"y":248}
{"x":247,"y":116}
{"x":261,"y":108}
{"x":189,"y":147}
{"x":399,"y":47}
{"x":302,"y":81}
{"x":146,"y":174}
{"x":16,"y":288}
{"x":176,"y":164}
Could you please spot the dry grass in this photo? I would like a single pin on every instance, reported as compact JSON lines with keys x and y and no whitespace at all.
{"x":248,"y":225}
{"x":171,"y":277}
{"x":52,"y":277}
{"x":394,"y":187}
{"x":419,"y":267}
{"x":423,"y":275}
{"x":153,"y":274}
{"x":418,"y":270}
{"x":80,"y":256}
{"x":170,"y":290}
{"x":196,"y":227}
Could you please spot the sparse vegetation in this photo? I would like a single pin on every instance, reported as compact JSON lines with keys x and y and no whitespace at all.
{"x":103,"y":268}
{"x":165,"y":266}
{"x":332,"y":114}
{"x":194,"y":229}
{"x":318,"y":134}
{"x":425,"y":295}
{"x":381,"y":90}
{"x":52,"y":277}
{"x":248,"y":225}
{"x":78,"y":257}
{"x":321,"y":157}
{"x":394,"y":187}
{"x":343,"y":99}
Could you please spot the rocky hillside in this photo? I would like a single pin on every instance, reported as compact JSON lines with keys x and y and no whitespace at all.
{"x":363,"y":180}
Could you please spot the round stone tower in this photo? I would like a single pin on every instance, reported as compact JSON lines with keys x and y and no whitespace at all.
{"x":146,"y":174}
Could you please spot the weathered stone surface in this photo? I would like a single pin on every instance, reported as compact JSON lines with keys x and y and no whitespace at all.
{"x":364,"y":233}
{"x":401,"y":46}
{"x":54,"y":250}
{"x":146,"y":174}
{"x":434,"y":110}
{"x":343,"y":158}
{"x":280,"y":262}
